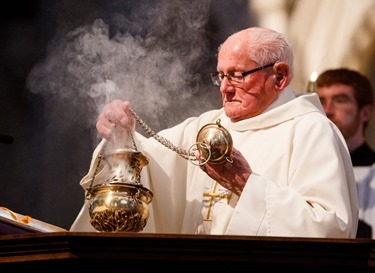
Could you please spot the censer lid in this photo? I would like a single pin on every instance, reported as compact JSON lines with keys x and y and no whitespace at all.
{"x":128,"y":154}
{"x":219,"y":141}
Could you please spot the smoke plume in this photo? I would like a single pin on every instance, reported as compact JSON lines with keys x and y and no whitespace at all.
{"x":150,"y":54}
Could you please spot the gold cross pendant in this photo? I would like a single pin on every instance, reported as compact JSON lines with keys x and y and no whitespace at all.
{"x":215,"y":196}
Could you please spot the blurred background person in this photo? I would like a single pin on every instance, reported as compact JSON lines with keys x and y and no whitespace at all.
{"x":348,"y":100}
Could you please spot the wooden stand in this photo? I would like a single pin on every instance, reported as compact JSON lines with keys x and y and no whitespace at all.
{"x":106,"y":252}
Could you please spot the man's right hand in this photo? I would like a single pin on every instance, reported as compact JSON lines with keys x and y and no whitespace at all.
{"x":116,"y":112}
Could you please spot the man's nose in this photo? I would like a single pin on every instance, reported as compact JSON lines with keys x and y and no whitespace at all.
{"x":329,"y":107}
{"x":226,"y":85}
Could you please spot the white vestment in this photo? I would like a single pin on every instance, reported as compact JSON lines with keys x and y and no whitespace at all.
{"x":365,"y":179}
{"x":302,"y":183}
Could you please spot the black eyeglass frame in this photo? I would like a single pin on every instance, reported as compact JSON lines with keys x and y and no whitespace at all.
{"x":244,"y":74}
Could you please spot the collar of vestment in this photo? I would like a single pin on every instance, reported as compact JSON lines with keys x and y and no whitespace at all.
{"x":286,"y":107}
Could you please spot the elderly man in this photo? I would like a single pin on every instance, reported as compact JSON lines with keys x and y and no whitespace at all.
{"x":289,"y":172}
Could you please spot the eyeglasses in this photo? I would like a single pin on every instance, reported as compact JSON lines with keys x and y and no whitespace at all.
{"x":235,"y":78}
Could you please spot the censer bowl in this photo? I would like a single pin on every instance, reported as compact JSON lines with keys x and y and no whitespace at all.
{"x":119,"y":207}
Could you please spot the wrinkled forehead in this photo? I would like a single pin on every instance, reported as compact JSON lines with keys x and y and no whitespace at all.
{"x":233,"y":54}
{"x":235,"y":44}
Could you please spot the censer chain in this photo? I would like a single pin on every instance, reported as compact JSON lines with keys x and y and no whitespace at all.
{"x":100,"y":158}
{"x":183,"y":153}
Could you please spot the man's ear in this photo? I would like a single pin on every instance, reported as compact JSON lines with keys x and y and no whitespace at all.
{"x":366,"y":112}
{"x":279,"y":78}
{"x":281,"y":71}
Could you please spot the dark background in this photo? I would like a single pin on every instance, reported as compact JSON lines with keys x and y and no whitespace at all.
{"x":51,"y":118}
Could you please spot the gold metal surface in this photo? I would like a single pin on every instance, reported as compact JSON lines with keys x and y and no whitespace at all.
{"x":125,"y":165}
{"x":219,"y":141}
{"x":121,"y":202}
{"x":119,"y":207}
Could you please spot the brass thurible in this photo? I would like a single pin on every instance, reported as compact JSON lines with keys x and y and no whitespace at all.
{"x":120,"y":204}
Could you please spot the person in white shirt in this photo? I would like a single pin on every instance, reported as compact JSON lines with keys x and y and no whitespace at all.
{"x":289,"y":172}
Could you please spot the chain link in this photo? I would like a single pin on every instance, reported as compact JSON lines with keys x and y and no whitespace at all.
{"x":183,"y":153}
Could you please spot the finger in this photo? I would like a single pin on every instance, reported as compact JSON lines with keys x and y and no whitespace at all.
{"x":104,"y":128}
{"x":104,"y":125}
{"x":105,"y":133}
{"x":203,"y":168}
{"x":107,"y":116}
{"x":113,"y":111}
{"x":128,"y":119}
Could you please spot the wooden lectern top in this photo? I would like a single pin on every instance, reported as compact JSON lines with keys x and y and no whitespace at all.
{"x":99,"y":252}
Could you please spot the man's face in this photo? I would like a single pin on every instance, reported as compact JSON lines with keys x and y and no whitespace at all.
{"x":250,"y":98}
{"x":341,"y":108}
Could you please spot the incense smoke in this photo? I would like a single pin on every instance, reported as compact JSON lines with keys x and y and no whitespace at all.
{"x":150,"y":54}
